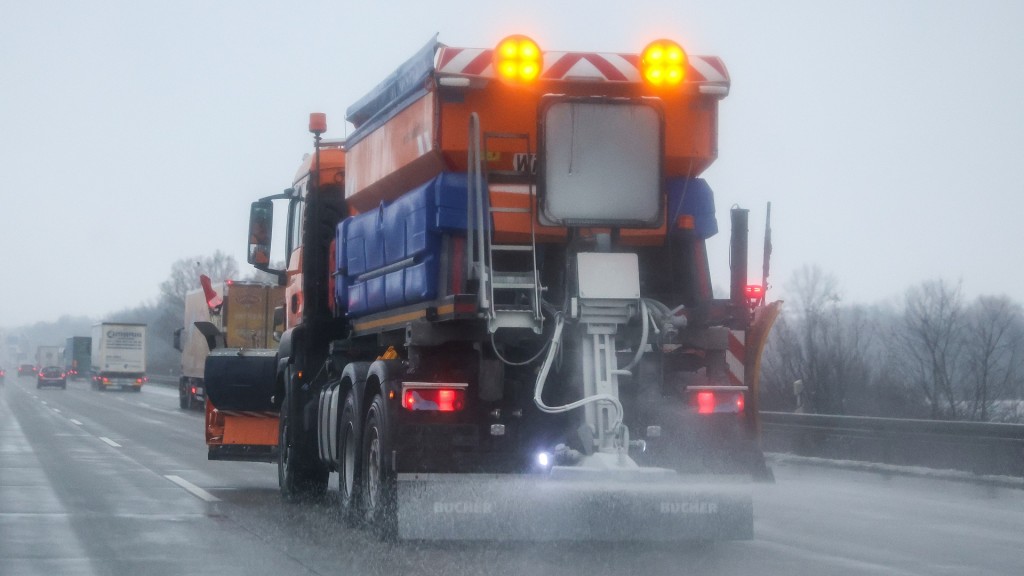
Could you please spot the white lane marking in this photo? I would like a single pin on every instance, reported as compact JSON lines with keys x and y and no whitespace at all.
{"x":75,"y":422}
{"x":109,"y":441}
{"x":57,"y":410}
{"x":144,"y":405}
{"x":44,"y":402}
{"x":192,"y":488}
{"x":161,"y":392}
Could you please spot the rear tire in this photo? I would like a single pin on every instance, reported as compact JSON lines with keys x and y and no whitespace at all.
{"x":379,"y":487}
{"x":349,"y":463}
{"x":297,"y":478}
{"x":183,"y":399}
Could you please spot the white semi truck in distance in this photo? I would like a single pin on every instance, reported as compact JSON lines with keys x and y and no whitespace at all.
{"x":48,"y":356}
{"x":118,"y":356}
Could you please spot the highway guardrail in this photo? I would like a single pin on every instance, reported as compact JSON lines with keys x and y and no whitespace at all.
{"x":978,"y":447}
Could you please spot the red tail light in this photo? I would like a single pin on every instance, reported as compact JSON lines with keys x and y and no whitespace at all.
{"x":439,"y":399}
{"x":705,"y":402}
{"x":718,"y":399}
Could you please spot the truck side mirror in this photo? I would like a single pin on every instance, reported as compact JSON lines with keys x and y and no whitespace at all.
{"x":278,"y":323}
{"x":177,"y":339}
{"x":261,"y":229}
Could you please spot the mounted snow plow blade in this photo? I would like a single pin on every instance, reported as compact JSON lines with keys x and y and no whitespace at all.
{"x":644,"y":505}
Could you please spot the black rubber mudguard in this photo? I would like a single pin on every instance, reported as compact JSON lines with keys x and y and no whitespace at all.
{"x":241,"y":379}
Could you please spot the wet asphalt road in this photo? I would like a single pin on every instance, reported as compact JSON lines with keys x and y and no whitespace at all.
{"x":118,"y":483}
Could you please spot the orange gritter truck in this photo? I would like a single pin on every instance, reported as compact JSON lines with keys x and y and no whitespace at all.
{"x":499,"y":321}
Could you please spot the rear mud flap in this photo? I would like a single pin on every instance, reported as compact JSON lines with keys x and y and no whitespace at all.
{"x":541,"y":508}
{"x":241,"y":379}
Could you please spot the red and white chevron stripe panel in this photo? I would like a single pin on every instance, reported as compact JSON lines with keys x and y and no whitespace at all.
{"x":580,"y":66}
{"x":735,"y":356}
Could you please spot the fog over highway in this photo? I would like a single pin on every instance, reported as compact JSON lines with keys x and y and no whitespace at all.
{"x":118,"y":483}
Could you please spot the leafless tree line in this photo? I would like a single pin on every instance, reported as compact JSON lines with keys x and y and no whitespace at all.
{"x":932,"y":355}
{"x":163,"y":315}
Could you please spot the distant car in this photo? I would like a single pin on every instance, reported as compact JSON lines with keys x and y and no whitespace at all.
{"x":3,"y":373}
{"x":52,"y":376}
{"x":26,"y":370}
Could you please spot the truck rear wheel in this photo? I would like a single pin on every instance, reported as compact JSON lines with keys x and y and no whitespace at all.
{"x":184,"y":396}
{"x":379,"y":488}
{"x":296,"y":476}
{"x":349,"y":462}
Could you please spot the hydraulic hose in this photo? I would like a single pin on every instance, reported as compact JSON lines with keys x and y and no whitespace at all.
{"x":542,"y":376}
{"x":643,"y":338}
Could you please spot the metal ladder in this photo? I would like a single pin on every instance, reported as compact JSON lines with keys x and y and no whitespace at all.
{"x":522,"y":286}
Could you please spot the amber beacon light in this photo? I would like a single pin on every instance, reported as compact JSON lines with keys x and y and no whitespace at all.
{"x":518,"y":59}
{"x":663,"y":63}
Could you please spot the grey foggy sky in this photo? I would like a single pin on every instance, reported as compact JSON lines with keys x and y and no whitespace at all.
{"x":889,"y":136}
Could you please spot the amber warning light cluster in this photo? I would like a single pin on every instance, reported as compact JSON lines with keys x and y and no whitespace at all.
{"x":519,"y":60}
{"x":663,"y":63}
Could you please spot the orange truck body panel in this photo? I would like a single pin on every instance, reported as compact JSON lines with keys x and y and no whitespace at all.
{"x":431,"y":135}
{"x":240,"y":428}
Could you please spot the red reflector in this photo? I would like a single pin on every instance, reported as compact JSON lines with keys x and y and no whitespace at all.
{"x":705,"y":402}
{"x":193,"y":389}
{"x":436,"y":399}
{"x":740,"y":403}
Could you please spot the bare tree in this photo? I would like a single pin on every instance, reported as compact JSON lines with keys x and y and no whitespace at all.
{"x":819,"y":343}
{"x":262,"y":277}
{"x":890,"y":392}
{"x":994,"y":356}
{"x":185,"y":276}
{"x":930,"y":343}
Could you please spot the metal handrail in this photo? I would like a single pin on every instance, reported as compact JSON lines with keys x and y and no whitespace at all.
{"x":476,"y":248}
